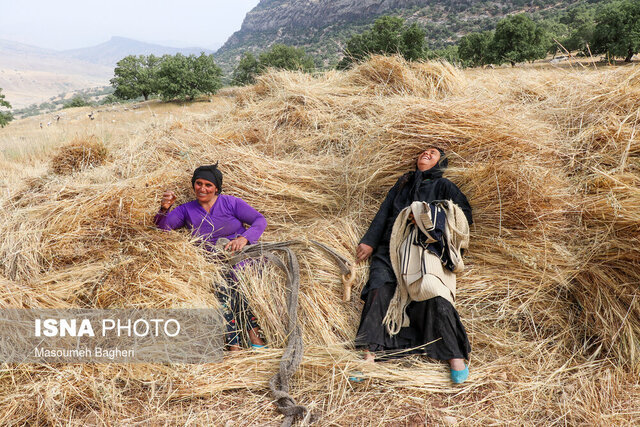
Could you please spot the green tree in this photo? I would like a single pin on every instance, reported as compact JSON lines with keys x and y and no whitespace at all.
{"x":448,"y":53}
{"x":617,"y":29}
{"x":413,"y":45}
{"x":5,"y":116}
{"x":579,"y":37}
{"x":555,"y":31}
{"x":280,"y":56}
{"x":285,"y":57}
{"x":473,"y":49}
{"x":109,"y":99}
{"x":135,"y":76}
{"x":516,"y":39}
{"x":577,"y":15}
{"x":388,"y":36}
{"x":76,"y":101}
{"x":185,"y":77}
{"x":579,"y":20}
{"x":247,"y":69}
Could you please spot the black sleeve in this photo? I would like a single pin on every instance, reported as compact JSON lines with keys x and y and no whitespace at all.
{"x":453,"y":193}
{"x":376,"y":229}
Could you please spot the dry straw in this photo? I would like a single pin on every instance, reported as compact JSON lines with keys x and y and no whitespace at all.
{"x":548,"y":159}
{"x":81,"y":153}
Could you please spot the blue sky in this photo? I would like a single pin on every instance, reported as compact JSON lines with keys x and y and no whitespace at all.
{"x":69,"y":24}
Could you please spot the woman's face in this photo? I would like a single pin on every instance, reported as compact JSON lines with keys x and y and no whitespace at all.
{"x":428,"y":159}
{"x":205,"y":190}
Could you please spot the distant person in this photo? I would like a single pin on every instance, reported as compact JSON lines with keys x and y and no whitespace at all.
{"x":434,"y":327}
{"x":91,"y":115}
{"x":40,"y":125}
{"x":212,"y":217}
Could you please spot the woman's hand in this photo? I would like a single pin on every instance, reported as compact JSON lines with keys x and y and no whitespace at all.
{"x":236,"y":244}
{"x":168,"y":197}
{"x":363,"y":252}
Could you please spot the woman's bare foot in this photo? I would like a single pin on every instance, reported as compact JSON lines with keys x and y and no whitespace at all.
{"x":255,"y":338}
{"x":457,"y":364}
{"x":235,"y":348}
{"x":369,"y":356}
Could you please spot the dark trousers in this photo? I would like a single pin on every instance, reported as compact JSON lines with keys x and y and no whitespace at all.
{"x":435,"y":328}
{"x":235,"y":309}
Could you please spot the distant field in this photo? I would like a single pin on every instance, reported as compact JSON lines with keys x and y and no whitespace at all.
{"x":23,"y":88}
{"x":25,"y":148}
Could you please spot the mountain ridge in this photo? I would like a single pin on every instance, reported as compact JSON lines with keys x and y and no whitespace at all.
{"x":117,"y":47}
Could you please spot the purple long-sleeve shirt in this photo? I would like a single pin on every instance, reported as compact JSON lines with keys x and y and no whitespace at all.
{"x":226,"y":219}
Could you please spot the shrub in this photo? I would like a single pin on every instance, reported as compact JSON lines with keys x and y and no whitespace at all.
{"x":388,"y":36}
{"x":76,"y":101}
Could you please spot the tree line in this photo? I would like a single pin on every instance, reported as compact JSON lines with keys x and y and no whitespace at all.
{"x":185,"y":77}
{"x":388,"y":35}
{"x":612,"y":29}
{"x":279,"y":56}
{"x":169,"y":77}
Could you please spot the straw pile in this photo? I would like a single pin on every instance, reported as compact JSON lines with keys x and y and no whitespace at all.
{"x":79,"y":154}
{"x":550,"y":299}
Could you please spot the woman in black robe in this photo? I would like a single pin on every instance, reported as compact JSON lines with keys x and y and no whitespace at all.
{"x":432,"y":320}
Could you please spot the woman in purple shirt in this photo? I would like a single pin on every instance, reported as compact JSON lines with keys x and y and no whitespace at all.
{"x":210,"y":217}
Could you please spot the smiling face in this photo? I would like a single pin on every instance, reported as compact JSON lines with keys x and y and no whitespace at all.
{"x":428,"y":159}
{"x":205,"y":191}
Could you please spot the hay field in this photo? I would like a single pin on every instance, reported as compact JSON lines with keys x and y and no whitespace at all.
{"x":550,"y":162}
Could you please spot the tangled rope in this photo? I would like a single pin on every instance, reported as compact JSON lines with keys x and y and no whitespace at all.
{"x":293,"y":352}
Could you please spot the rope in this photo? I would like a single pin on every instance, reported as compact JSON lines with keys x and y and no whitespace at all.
{"x":293,"y":352}
{"x":262,"y":249}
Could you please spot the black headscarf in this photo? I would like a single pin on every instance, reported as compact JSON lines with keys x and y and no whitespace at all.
{"x":211,"y":173}
{"x":416,"y":177}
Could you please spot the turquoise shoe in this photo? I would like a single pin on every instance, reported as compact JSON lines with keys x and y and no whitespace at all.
{"x":458,"y":377}
{"x":356,"y":377}
{"x":258,"y":346}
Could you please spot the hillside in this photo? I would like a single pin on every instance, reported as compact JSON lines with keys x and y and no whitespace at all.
{"x":322,"y":26}
{"x":110,"y":52}
{"x":31,"y":75}
{"x":549,"y":159}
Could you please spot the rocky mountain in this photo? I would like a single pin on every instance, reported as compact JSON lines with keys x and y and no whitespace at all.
{"x":272,"y":15}
{"x":323,"y":26}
